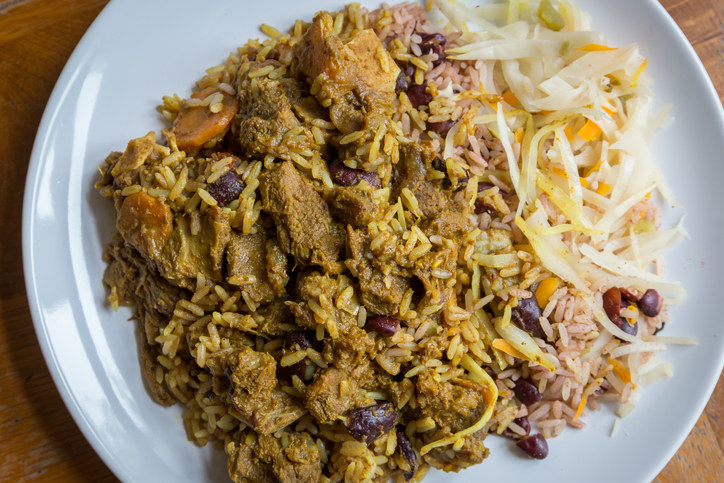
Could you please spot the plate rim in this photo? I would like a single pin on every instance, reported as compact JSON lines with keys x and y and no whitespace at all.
{"x":36,"y":162}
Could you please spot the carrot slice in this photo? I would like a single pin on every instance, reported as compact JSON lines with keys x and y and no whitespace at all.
{"x":197,"y":125}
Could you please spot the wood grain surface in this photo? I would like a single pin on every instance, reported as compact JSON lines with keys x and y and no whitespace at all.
{"x":38,"y":438}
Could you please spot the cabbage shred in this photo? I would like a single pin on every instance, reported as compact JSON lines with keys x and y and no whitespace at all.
{"x":585,"y":112}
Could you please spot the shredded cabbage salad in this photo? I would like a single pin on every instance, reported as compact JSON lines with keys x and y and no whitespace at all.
{"x":575,"y":118}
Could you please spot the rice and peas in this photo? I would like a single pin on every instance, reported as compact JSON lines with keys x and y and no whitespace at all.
{"x":556,"y":236}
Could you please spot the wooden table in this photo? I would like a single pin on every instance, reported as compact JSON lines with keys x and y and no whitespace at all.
{"x":38,"y":438}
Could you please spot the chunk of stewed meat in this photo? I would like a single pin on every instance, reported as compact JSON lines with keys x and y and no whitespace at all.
{"x":305,"y":227}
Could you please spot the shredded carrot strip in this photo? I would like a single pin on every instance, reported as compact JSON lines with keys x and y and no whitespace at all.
{"x":596,"y":47}
{"x":608,"y":111}
{"x":593,"y":168}
{"x":581,"y":405}
{"x":620,"y":370}
{"x":559,"y":171}
{"x":638,"y":73}
{"x":584,"y":182}
{"x":589,"y":131}
{"x":603,"y":189}
{"x":519,"y":135}
{"x":429,"y":5}
{"x":510,"y":98}
{"x":502,"y":345}
{"x":568,"y":132}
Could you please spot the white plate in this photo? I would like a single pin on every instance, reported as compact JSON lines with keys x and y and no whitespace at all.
{"x":137,"y":51}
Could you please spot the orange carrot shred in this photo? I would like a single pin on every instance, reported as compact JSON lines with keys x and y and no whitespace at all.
{"x":603,"y":189}
{"x":510,"y":98}
{"x":589,"y":131}
{"x":504,"y":346}
{"x":581,"y":405}
{"x":568,"y":132}
{"x":595,"y":48}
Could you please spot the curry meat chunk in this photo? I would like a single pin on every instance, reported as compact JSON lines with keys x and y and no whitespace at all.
{"x":249,"y":256}
{"x":451,"y":404}
{"x":354,"y":205}
{"x":267,"y":113}
{"x":261,"y":459}
{"x":381,"y":293}
{"x":253,"y":389}
{"x":357,"y":79}
{"x":147,"y":224}
{"x":305,"y":227}
{"x":411,"y":173}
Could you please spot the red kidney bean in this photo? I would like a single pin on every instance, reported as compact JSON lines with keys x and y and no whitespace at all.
{"x":372,"y":178}
{"x":527,"y":316}
{"x":483,"y":186}
{"x":523,"y":423}
{"x":436,"y":37}
{"x":386,"y":326}
{"x":534,"y":446}
{"x":526,"y":392}
{"x":369,"y":423}
{"x":298,"y":338}
{"x":403,"y":444}
{"x":226,"y":188}
{"x":342,"y":175}
{"x":441,"y":128}
{"x":410,"y":70}
{"x":401,"y":83}
{"x":612,"y":303}
{"x":650,"y":303}
{"x":623,"y":324}
{"x":418,"y":95}
{"x":628,"y":297}
{"x":463,"y":182}
{"x":298,"y":369}
{"x":434,"y":43}
{"x":480,"y":206}
{"x":439,"y":164}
